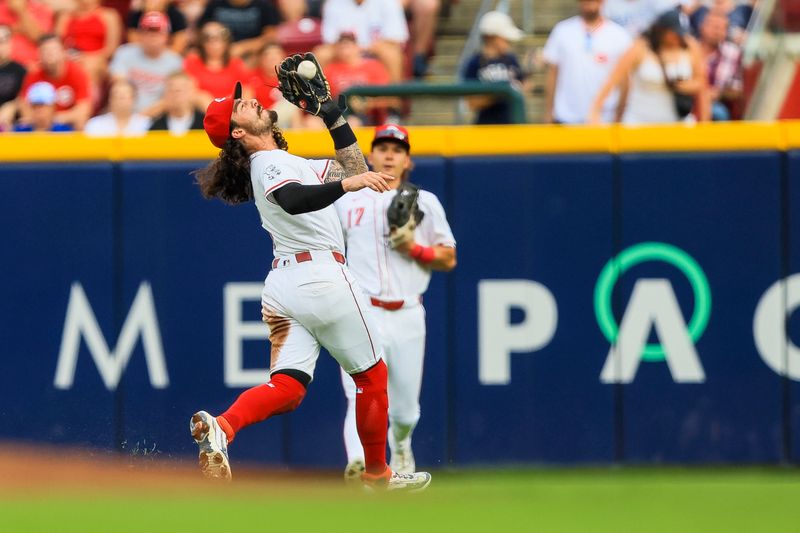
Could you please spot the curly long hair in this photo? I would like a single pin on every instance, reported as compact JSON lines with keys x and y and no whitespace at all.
{"x":228,"y":176}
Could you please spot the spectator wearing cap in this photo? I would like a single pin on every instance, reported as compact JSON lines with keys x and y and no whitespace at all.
{"x":580,"y":52}
{"x":180,"y":115}
{"x":29,"y":21}
{"x":349,"y":68}
{"x":379,"y":26}
{"x":214,"y":69}
{"x":73,"y":95}
{"x":659,"y":63}
{"x":121,"y":120}
{"x":178,"y":26}
{"x":91,"y":33}
{"x":40,"y":98}
{"x":252,"y":23}
{"x":496,"y":63}
{"x":147,"y":63}
{"x":11,"y":76}
{"x":724,"y":63}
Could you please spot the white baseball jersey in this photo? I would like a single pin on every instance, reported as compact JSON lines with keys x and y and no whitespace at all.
{"x":381,"y":271}
{"x":390,"y":276}
{"x":585,"y":60}
{"x":319,"y":230}
{"x":311,"y":300}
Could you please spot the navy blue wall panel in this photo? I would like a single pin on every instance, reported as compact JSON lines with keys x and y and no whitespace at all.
{"x":188,"y":249}
{"x":113,"y":231}
{"x":57,"y":229}
{"x":722,"y":210}
{"x":547,"y":219}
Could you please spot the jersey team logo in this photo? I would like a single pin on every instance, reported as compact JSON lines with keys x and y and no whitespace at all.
{"x":272,"y":172}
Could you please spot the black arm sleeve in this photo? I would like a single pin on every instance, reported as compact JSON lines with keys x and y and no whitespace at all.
{"x":296,"y":199}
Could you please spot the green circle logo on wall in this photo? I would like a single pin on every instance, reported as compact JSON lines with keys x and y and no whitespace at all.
{"x":641,"y":253}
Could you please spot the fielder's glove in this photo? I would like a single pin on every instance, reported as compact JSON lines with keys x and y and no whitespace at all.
{"x":403,"y":215}
{"x":311,"y":95}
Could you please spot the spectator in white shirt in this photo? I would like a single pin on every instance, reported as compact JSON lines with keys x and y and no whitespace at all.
{"x":581,"y":52}
{"x":120,"y":119}
{"x":179,"y":115}
{"x":379,"y":26}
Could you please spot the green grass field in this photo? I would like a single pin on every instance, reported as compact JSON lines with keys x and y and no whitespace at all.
{"x":669,"y":500}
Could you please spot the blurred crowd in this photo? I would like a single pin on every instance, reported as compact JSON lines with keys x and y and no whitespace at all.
{"x":629,"y":61}
{"x":124,"y":67}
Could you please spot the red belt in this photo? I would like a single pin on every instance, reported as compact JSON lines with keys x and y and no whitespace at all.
{"x":389,"y":306}
{"x":302,"y":257}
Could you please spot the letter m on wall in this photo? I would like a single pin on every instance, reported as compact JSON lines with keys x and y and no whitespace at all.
{"x":140,"y":322}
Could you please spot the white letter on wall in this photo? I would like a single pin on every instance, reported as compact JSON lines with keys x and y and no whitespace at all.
{"x":498,"y":338}
{"x":237,"y":331}
{"x":141,"y":321}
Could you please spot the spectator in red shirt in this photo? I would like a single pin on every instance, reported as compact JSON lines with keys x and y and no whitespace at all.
{"x":263,"y":80}
{"x":73,"y":98}
{"x":91,"y":33}
{"x":213,"y":68}
{"x":349,"y":68}
{"x":264,"y":84}
{"x":29,"y":20}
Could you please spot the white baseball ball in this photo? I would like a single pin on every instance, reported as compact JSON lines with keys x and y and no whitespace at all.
{"x":307,"y":69}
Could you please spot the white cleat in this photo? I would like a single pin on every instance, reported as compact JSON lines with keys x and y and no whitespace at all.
{"x":213,"y":444}
{"x":414,"y":482}
{"x":396,"y":482}
{"x":353,"y":471}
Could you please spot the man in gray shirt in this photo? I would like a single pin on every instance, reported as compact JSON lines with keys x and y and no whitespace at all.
{"x":148,"y":63}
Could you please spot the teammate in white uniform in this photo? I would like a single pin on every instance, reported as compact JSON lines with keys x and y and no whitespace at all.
{"x":395,"y":280}
{"x":309,"y":298}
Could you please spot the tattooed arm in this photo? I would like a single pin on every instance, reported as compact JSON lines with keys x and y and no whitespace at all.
{"x":349,"y":160}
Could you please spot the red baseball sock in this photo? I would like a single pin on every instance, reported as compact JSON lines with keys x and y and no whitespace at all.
{"x":281,"y":395}
{"x":372,"y":418}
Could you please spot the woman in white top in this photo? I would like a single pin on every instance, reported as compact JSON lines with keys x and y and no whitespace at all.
{"x":120,"y":119}
{"x":663,"y":49}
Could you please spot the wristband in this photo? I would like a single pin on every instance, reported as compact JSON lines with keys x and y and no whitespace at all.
{"x":330,"y":113}
{"x":343,"y":136}
{"x":423,"y":254}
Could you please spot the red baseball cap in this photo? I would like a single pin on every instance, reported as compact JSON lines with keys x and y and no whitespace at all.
{"x":392,"y":132}
{"x":154,"y":20}
{"x":217,"y":121}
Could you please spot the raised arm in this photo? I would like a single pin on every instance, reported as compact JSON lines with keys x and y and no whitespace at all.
{"x":349,"y":158}
{"x":618,"y":77}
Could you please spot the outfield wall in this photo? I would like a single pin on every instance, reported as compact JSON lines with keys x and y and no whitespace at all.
{"x":128,"y":302}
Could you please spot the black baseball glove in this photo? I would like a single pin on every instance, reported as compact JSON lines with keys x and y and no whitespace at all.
{"x":311,"y":95}
{"x":403,"y":214}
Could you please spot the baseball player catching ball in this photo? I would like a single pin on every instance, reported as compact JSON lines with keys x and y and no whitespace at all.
{"x":310,"y":299}
{"x":394,"y":240}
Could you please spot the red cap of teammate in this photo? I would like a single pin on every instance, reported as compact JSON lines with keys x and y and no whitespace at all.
{"x":392,"y":132}
{"x":217,"y":122}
